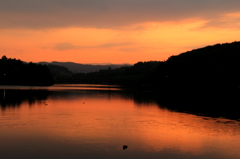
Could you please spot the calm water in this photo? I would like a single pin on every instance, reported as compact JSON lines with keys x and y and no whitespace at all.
{"x":95,"y":121}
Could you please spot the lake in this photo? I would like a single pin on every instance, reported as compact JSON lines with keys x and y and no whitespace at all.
{"x":95,"y":121}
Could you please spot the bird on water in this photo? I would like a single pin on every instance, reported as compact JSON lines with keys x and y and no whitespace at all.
{"x":125,"y":147}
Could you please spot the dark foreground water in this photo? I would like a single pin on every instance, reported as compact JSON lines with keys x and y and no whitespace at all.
{"x":95,"y":121}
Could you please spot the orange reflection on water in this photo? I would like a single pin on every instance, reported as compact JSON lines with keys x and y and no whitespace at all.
{"x":109,"y":118}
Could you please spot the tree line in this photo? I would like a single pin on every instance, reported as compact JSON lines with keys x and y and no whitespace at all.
{"x":214,"y":67}
{"x":138,"y":74}
{"x":17,"y":72}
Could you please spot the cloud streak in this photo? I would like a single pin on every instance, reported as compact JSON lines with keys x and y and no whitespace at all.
{"x":69,"y":46}
{"x":228,"y":21}
{"x":37,"y":14}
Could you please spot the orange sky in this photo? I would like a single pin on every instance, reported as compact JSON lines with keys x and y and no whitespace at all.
{"x":113,"y":36}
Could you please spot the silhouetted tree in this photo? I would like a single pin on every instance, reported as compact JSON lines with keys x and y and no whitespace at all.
{"x":15,"y":72}
{"x":4,"y":57}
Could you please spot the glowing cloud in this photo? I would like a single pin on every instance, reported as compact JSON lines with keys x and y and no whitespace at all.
{"x":107,"y":13}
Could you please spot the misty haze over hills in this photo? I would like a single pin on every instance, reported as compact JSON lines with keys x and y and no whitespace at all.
{"x":84,"y":68}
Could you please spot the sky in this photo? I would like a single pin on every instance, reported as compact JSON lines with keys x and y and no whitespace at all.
{"x":113,"y":31}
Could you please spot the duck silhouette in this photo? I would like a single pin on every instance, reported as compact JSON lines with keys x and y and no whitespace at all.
{"x":125,"y":147}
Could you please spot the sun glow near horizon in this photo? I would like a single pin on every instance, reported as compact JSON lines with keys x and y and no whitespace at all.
{"x":149,"y":41}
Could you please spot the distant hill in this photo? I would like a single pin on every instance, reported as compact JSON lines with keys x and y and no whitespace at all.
{"x":84,"y":68}
{"x":209,"y":69}
{"x":204,"y":81}
{"x":216,"y":66}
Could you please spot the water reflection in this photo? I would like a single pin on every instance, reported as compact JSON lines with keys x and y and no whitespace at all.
{"x":214,"y":106}
{"x":227,"y":107}
{"x":81,"y":123}
{"x":14,"y":98}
